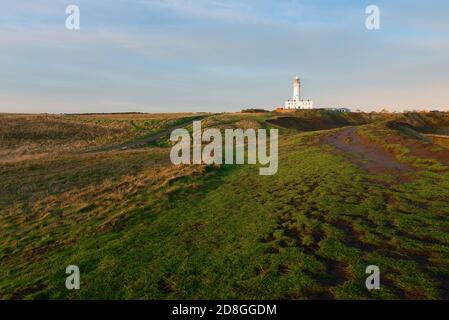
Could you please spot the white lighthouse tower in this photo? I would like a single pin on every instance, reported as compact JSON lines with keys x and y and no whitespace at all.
{"x":297,"y":103}
{"x":296,"y":89}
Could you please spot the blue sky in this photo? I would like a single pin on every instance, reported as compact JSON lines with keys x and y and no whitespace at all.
{"x":221,"y":55}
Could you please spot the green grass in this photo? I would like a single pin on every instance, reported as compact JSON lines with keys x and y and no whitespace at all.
{"x":140,"y":228}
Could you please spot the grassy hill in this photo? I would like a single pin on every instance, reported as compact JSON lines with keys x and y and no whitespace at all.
{"x":352,"y":190}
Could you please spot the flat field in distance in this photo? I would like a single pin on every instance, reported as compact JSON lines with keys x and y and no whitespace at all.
{"x":99,"y":191}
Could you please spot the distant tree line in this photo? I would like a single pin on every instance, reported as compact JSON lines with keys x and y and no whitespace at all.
{"x":253,"y":110}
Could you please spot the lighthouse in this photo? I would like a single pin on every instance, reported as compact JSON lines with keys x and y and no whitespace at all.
{"x":296,"y":102}
{"x":296,"y":89}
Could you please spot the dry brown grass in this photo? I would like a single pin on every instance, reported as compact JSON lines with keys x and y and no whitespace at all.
{"x":26,"y":137}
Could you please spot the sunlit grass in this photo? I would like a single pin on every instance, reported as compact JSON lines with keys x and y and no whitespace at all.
{"x":139,"y":227}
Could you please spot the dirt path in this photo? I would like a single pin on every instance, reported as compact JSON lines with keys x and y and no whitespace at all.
{"x":148,"y":139}
{"x":364,"y":153}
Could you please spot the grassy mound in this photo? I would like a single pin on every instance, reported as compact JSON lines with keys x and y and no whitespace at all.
{"x":312,"y":120}
{"x":139,"y":227}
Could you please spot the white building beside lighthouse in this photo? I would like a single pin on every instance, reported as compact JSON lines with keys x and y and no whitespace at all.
{"x":296,"y":102}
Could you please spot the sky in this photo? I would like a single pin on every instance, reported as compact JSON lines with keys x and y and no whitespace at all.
{"x":221,"y":55}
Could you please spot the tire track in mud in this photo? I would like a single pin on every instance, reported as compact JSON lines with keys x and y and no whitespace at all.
{"x":366,"y":154}
{"x":286,"y":233}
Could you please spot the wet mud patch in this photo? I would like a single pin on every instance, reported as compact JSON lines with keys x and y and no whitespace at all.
{"x":366,"y":154}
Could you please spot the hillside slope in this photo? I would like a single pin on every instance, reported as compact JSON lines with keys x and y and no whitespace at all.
{"x":139,"y":227}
